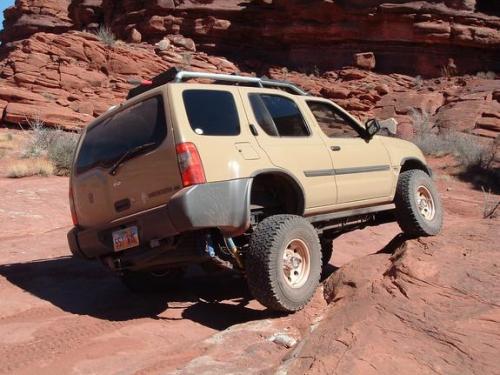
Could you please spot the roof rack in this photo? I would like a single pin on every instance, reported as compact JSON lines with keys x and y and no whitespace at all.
{"x":260,"y":82}
{"x":175,"y":75}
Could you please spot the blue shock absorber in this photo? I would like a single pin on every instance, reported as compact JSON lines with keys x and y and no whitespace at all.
{"x":209,"y":247}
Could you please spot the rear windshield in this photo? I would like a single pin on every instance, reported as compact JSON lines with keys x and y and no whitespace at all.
{"x":211,"y":112}
{"x":137,"y":125}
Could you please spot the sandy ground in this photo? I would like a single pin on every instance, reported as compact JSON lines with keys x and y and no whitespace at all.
{"x":59,"y":314}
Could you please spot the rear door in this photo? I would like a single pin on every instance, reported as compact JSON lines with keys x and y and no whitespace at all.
{"x":213,"y":119}
{"x":285,"y":136}
{"x":144,"y":181}
{"x":361,"y":167}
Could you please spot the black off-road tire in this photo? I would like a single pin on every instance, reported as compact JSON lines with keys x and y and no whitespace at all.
{"x":409,"y":218}
{"x":150,"y":282}
{"x":264,"y":262}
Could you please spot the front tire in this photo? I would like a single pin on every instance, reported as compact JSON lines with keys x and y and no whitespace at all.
{"x":418,"y":206}
{"x":283,"y":262}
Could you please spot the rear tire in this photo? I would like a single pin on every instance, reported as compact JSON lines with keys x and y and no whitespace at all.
{"x":151,"y":281}
{"x":418,"y":206}
{"x":283,"y":262}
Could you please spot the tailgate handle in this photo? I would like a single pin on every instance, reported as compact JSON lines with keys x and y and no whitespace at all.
{"x":335,"y":148}
{"x":122,"y":205}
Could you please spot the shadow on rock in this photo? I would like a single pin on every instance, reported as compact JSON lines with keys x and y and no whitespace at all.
{"x":86,"y":288}
{"x":395,"y":244}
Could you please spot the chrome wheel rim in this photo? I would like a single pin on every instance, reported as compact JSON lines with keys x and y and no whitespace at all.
{"x":425,"y":203}
{"x":296,"y":263}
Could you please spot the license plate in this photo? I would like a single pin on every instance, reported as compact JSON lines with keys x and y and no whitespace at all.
{"x":125,"y":238}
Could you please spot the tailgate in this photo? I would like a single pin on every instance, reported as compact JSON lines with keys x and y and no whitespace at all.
{"x":144,"y":179}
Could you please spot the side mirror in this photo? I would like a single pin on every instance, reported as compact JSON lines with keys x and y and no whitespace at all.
{"x":372,"y":127}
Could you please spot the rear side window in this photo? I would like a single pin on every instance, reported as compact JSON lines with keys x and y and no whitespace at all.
{"x":107,"y":141}
{"x":211,"y":112}
{"x":278,"y":116}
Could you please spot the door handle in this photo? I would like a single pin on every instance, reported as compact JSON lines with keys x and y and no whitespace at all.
{"x":335,"y":148}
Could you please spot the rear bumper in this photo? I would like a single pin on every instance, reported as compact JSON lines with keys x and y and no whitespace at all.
{"x":223,"y":205}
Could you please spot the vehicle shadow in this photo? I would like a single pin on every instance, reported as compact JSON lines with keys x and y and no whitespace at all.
{"x":86,"y":288}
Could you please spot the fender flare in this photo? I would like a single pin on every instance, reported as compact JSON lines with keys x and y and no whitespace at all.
{"x":297,"y":186}
{"x":415,"y":163}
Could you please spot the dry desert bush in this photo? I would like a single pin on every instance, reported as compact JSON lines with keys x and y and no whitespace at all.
{"x":30,"y":167}
{"x":490,"y":204}
{"x":466,"y":149}
{"x":55,"y":146}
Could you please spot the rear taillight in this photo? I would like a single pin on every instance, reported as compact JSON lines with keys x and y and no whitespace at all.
{"x":72,"y":207}
{"x":190,"y":165}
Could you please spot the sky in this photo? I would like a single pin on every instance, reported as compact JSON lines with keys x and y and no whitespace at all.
{"x":4,"y":4}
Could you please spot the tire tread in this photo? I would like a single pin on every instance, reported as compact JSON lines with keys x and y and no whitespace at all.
{"x":261,"y":269}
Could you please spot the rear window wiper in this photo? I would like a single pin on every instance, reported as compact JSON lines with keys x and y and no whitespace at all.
{"x":128,"y":155}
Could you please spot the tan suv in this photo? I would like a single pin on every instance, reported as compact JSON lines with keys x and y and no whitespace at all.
{"x":251,"y":171}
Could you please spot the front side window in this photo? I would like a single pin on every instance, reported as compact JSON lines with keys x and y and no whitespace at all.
{"x":332,"y":122}
{"x":278,"y":116}
{"x":105,"y":142}
{"x":211,"y":112}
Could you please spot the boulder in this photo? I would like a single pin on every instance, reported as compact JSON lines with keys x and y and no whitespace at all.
{"x":134,"y":36}
{"x":365,"y":60}
{"x":382,"y":89}
{"x":163,"y":44}
{"x":183,"y":42}
{"x":335,"y":92}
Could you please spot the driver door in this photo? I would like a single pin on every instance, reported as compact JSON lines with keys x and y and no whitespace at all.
{"x":362,"y":168}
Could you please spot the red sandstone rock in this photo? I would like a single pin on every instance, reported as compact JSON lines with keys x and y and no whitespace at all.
{"x":378,"y":324}
{"x":76,"y":74}
{"x":403,"y":102}
{"x":405,"y":30}
{"x":352,"y":74}
{"x":50,"y":114}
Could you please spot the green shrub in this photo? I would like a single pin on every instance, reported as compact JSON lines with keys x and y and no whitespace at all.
{"x":106,"y":36}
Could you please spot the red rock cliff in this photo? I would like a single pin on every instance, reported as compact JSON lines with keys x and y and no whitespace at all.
{"x":414,"y":37}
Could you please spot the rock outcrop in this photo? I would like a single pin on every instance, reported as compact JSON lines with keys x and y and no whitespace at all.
{"x":68,"y":79}
{"x":416,"y":37}
{"x":428,"y":308}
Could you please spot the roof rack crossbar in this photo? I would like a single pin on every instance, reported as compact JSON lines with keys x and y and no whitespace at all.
{"x":261,"y":82}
